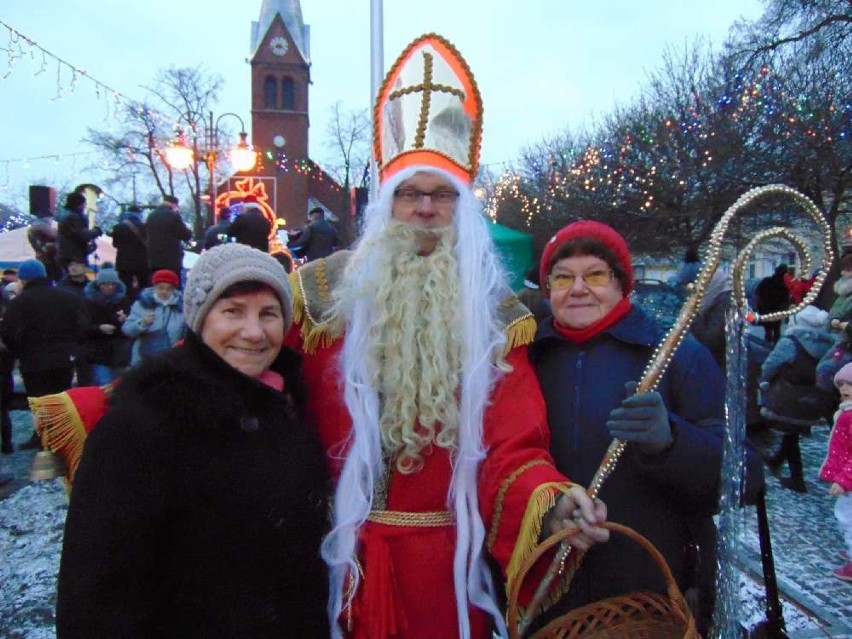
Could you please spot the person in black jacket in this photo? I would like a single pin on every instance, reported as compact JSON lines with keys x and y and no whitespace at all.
{"x":318,"y":239}
{"x":773,"y":296}
{"x":166,"y":233}
{"x":7,"y":384}
{"x":251,"y":227}
{"x":199,"y":503}
{"x":40,"y":329}
{"x":75,"y":238}
{"x":218,"y":233}
{"x":131,"y":251}
{"x":75,"y":281}
{"x":106,"y":347}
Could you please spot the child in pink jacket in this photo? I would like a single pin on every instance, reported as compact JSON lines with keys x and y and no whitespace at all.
{"x":837,"y":467}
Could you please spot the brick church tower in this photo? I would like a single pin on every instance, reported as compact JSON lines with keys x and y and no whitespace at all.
{"x":280,"y":80}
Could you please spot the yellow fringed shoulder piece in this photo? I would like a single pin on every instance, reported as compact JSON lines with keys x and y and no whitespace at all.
{"x":540,"y":502}
{"x":519,"y":322}
{"x":312,"y":286}
{"x":61,"y":428}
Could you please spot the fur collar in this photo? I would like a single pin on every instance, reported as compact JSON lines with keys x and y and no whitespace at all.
{"x":191,"y":386}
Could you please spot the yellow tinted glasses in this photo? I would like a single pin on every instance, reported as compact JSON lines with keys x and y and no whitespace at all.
{"x":561,"y":281}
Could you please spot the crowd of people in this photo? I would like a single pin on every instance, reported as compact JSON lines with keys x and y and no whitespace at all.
{"x":800,"y":369}
{"x":126,"y":311}
{"x":320,"y":453}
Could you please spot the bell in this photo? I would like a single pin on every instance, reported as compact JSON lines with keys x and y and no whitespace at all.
{"x":47,"y":465}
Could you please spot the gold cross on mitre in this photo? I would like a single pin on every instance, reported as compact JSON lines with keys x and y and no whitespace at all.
{"x":429,"y":112}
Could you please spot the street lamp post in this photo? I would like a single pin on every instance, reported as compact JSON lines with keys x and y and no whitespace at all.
{"x":179,"y":156}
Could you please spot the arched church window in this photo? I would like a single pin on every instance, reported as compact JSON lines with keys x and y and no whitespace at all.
{"x":270,"y":93}
{"x":288,"y":94}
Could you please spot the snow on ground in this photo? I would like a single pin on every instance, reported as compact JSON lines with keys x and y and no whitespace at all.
{"x":31,"y":523}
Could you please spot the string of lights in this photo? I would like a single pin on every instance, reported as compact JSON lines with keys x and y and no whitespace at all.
{"x":632,"y":165}
{"x":21,"y":47}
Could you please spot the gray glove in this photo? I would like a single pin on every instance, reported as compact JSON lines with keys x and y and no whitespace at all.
{"x":642,"y":419}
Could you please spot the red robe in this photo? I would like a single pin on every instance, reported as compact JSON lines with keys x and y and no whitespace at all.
{"x":407,"y":586}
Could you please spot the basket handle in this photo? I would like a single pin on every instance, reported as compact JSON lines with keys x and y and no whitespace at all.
{"x":513,"y":613}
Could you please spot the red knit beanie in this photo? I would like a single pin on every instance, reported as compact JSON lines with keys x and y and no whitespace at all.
{"x":165,"y":276}
{"x":604,"y":234}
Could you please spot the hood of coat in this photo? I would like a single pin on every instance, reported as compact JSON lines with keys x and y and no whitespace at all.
{"x":815,"y":341}
{"x":148,"y":299}
{"x":93,"y":292}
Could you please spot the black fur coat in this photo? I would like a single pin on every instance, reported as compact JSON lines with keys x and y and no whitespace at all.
{"x":197,"y":509}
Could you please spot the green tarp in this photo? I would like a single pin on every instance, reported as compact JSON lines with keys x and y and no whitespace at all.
{"x":516,"y":249}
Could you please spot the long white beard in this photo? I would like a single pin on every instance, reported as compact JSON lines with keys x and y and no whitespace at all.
{"x":414,"y":349}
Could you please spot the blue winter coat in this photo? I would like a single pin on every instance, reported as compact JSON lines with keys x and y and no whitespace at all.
{"x":164,"y":332}
{"x":815,"y":341}
{"x":669,"y":497}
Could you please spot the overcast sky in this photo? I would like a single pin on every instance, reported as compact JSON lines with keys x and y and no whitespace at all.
{"x":541,"y":65}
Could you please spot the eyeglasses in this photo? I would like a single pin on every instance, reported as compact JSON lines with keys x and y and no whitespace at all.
{"x":562,"y":281}
{"x":415,"y":196}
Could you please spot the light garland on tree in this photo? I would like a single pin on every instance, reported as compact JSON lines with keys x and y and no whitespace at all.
{"x":614,"y":166}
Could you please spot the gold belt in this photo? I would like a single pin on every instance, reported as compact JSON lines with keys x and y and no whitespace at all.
{"x":400,"y":518}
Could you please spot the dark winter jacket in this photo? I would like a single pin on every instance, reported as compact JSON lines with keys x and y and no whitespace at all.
{"x":791,"y":372}
{"x":708,"y":325}
{"x":670,"y":497}
{"x":7,"y":358}
{"x":166,"y":233}
{"x":252,"y":228}
{"x":772,"y":293}
{"x":319,"y":239}
{"x":74,"y":237}
{"x":197,"y":510}
{"x":78,"y":287}
{"x":129,"y":240}
{"x":98,"y":347}
{"x":41,"y":326}
{"x":214,"y":235}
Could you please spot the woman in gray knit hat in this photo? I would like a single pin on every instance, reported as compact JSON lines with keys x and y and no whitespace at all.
{"x":199,"y":503}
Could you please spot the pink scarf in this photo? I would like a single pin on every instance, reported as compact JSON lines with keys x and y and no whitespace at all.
{"x":272,"y":379}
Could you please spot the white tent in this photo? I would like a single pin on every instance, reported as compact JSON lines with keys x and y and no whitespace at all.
{"x":14,"y":248}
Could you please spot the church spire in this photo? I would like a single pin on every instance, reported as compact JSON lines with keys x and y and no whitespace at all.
{"x":291,"y":14}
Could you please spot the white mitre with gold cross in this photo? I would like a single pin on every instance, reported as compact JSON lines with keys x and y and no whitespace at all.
{"x":429,"y":112}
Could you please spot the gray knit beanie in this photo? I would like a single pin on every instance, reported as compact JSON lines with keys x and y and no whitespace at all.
{"x":225,"y":265}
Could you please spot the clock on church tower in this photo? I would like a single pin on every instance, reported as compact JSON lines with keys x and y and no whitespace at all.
{"x":280,"y":78}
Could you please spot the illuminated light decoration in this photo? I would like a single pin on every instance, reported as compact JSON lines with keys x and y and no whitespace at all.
{"x":282,"y":163}
{"x":243,"y":156}
{"x":178,"y":155}
{"x":613,"y":167}
{"x":21,"y":47}
{"x":250,"y":186}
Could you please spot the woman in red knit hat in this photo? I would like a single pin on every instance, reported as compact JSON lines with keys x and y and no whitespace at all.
{"x":588,"y":357}
{"x":156,"y":320}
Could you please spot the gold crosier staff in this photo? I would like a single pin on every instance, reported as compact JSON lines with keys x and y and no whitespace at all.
{"x":663,"y":354}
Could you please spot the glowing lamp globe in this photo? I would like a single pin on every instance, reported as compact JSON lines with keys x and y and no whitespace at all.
{"x":178,"y":155}
{"x":243,"y":156}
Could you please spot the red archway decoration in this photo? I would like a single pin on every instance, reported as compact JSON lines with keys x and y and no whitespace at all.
{"x":249,"y":187}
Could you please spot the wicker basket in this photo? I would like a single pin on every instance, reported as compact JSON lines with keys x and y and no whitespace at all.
{"x":638,"y":615}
